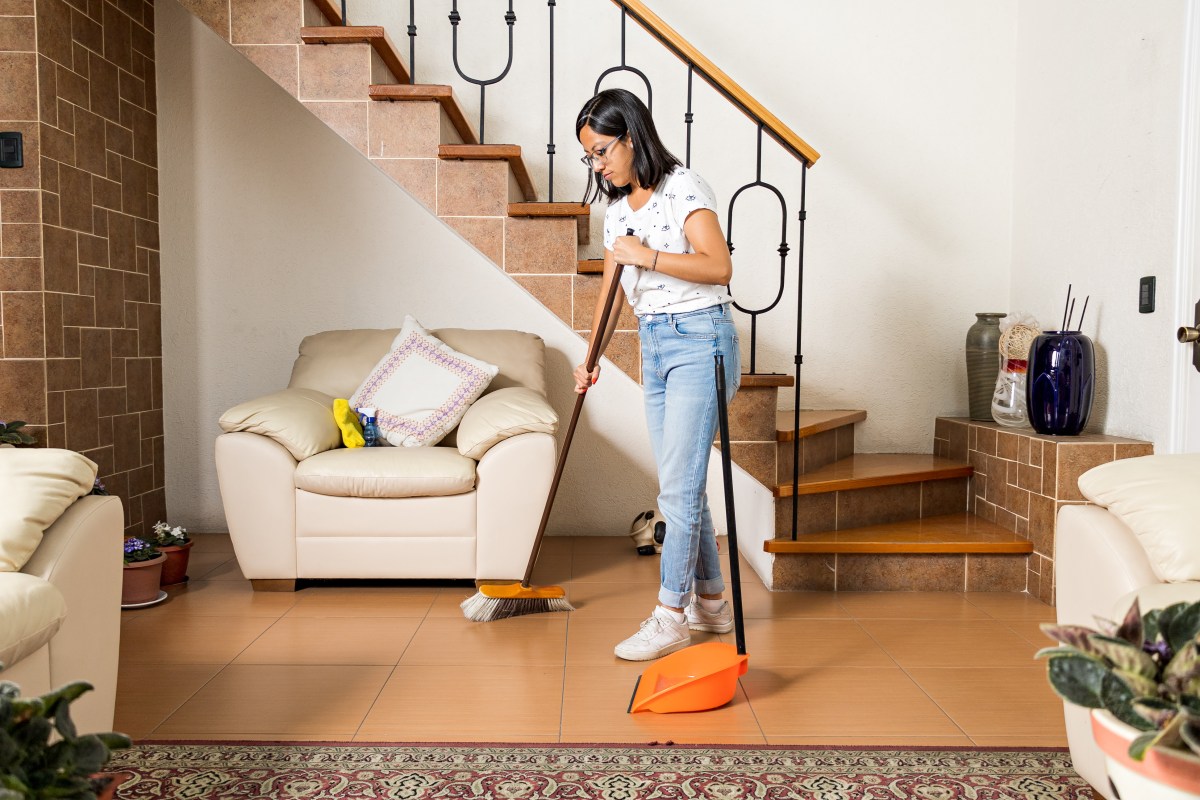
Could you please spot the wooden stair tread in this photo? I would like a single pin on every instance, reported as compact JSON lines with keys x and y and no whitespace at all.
{"x":951,"y":533}
{"x":581,"y":213}
{"x":373,"y":35}
{"x":492,"y":152}
{"x":428,"y":91}
{"x":591,"y":266}
{"x":767,"y":380}
{"x":814,"y":422}
{"x":864,"y":470}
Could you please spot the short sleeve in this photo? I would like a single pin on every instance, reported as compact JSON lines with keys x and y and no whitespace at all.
{"x":610,"y":227}
{"x":691,"y":193}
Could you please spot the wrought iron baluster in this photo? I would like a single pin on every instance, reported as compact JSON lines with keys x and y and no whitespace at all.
{"x":783,"y":248}
{"x":799,"y":358}
{"x":623,"y":67}
{"x":510,"y":19}
{"x":345,"y":21}
{"x":687,"y":120}
{"x":550,"y":143}
{"x":412,"y":41}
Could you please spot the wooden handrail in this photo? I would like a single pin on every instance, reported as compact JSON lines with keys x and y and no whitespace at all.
{"x":716,"y":78}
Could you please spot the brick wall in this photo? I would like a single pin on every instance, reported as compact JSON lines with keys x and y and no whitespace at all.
{"x":79,"y":261}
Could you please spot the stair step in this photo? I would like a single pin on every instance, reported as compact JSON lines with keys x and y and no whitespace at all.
{"x":428,"y":91}
{"x":492,"y":152}
{"x":581,"y":213}
{"x":373,"y":35}
{"x":864,"y":470}
{"x":591,"y":266}
{"x":950,"y":533}
{"x":813,"y":422}
{"x":766,"y":380}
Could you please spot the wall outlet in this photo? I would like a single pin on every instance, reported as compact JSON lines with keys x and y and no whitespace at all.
{"x":12,"y":151}
{"x":1146,"y":295}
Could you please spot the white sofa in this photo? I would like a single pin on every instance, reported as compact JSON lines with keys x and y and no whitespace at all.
{"x":60,"y":613}
{"x":299,"y":505}
{"x":1101,"y":564}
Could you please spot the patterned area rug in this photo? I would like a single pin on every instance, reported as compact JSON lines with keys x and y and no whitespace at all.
{"x":581,"y":772}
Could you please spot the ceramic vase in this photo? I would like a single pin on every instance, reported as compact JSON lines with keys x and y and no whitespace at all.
{"x":175,"y":569}
{"x":139,"y":581}
{"x":1164,"y":773}
{"x":983,"y":357}
{"x":1061,"y":382}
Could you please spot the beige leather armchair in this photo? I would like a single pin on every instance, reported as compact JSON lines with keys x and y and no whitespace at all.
{"x":67,"y":602}
{"x":299,"y":505}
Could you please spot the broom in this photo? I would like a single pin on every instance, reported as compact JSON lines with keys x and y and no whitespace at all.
{"x":503,"y":600}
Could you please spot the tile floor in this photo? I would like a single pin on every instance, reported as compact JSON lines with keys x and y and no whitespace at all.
{"x":400,"y":663}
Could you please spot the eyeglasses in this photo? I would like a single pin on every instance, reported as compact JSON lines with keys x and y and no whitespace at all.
{"x":596,"y":156}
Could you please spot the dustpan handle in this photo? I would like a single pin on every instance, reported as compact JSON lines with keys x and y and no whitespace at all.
{"x":735,"y":577}
{"x":593,"y":355}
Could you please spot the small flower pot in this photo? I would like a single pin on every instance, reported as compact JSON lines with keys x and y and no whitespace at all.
{"x":139,"y":581}
{"x":175,"y":570}
{"x":1164,"y":774}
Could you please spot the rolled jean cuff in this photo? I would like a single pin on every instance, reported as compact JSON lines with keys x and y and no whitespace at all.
{"x":680,"y":599}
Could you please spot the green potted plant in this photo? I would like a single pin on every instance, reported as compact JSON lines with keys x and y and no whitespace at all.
{"x":1141,"y":677}
{"x":11,"y":433}
{"x":143,"y":569}
{"x":33,"y":766}
{"x":175,"y":544}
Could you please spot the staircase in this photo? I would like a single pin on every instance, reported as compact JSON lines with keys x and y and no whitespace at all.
{"x":865,"y":521}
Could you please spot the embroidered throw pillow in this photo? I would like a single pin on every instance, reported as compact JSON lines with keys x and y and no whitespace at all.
{"x":422,"y":387}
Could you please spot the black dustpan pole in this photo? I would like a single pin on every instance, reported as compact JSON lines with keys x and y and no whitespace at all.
{"x":735,"y":578}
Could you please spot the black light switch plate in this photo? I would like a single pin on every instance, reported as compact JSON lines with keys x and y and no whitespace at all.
{"x":1146,"y":294}
{"x":12,"y":151}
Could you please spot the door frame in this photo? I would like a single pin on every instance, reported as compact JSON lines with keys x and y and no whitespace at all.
{"x":1185,"y":426}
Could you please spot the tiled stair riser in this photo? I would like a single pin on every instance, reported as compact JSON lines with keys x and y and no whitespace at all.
{"x":1022,"y":479}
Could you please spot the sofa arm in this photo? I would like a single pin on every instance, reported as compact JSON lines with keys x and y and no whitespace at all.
{"x":258,"y":489}
{"x":80,"y":554}
{"x":501,"y":415}
{"x":512,"y":481}
{"x":1097,"y":560}
{"x":299,"y":419}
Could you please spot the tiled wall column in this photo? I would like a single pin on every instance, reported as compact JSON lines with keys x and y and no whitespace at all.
{"x":22,"y":316}
{"x":1023,"y":478}
{"x":84,"y":361}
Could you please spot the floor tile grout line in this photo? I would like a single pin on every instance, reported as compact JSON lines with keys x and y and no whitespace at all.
{"x":382,"y":687}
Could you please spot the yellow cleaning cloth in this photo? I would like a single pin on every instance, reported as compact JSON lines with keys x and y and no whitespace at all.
{"x":347,"y":420}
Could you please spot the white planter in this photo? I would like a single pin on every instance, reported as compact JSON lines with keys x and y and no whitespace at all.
{"x":1162,"y":775}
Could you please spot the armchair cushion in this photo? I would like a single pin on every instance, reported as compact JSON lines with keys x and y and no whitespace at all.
{"x":1156,"y":497}
{"x":39,"y":484}
{"x":387,"y":472}
{"x":31,"y":612}
{"x":299,"y":419}
{"x":422,"y":387}
{"x":501,"y":414}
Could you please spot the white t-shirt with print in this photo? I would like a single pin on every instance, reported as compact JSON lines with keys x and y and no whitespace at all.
{"x":659,"y":225}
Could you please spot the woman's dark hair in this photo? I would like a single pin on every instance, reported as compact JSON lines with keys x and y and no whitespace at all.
{"x":617,"y":112}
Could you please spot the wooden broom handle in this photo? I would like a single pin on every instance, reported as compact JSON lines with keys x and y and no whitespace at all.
{"x":593,"y":355}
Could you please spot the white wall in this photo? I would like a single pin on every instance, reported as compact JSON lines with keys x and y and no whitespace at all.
{"x":274,"y":228}
{"x":1097,"y":179}
{"x":910,"y":105}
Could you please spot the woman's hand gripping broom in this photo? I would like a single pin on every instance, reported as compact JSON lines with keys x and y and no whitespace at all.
{"x":499,"y":601}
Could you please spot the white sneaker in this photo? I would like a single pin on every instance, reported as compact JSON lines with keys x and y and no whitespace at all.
{"x":719,"y":621}
{"x":659,"y":635}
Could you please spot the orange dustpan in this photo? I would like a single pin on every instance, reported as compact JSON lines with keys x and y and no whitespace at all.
{"x":702,"y":676}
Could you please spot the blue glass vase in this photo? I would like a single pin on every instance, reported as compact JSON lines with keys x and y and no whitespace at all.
{"x":1061,"y":382}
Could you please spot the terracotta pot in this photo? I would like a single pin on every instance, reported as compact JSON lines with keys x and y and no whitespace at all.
{"x":139,"y":581}
{"x":175,"y":570}
{"x":1164,"y":774}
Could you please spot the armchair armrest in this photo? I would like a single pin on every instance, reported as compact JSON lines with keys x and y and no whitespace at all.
{"x":257,"y":476}
{"x":299,"y":419}
{"x":502,"y":414}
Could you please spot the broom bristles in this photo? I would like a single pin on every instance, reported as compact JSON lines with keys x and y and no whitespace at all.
{"x":481,"y":608}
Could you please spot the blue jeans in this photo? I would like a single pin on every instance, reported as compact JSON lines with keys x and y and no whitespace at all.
{"x":679,"y":382}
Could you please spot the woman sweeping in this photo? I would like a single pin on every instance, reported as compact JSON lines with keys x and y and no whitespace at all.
{"x":674,"y":271}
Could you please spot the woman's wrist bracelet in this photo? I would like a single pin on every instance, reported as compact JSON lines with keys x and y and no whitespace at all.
{"x":654,"y":263}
